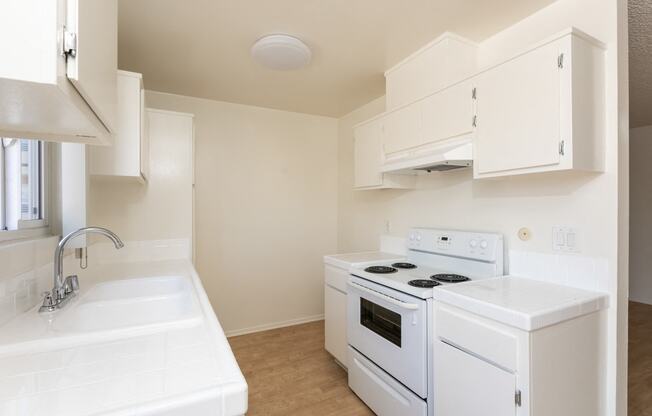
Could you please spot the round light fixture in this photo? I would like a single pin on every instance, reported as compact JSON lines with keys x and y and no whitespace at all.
{"x":281,"y":52}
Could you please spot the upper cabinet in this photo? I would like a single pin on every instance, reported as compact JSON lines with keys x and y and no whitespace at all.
{"x":92,"y":68}
{"x":129,"y":155}
{"x":542,"y":110}
{"x":368,"y":159}
{"x":415,"y":128}
{"x":444,"y":61}
{"x":58,"y":72}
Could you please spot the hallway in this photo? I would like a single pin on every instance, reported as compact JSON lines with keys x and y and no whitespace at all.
{"x":640,"y":359}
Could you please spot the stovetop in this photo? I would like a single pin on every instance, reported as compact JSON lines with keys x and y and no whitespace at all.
{"x":399,"y":278}
{"x":470,"y":254}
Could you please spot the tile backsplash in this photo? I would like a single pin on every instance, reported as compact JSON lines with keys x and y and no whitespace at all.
{"x":582,"y":272}
{"x":25,"y":272}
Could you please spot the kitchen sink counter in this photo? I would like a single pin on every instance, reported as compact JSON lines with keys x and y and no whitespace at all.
{"x":152,"y":346}
{"x":521,"y":302}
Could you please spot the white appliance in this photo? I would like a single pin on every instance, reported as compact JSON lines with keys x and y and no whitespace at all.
{"x":389,"y":315}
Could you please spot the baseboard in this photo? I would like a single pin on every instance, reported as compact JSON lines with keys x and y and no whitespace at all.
{"x":273,"y":325}
{"x":643,"y":299}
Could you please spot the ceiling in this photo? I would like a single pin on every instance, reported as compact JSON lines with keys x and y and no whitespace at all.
{"x":640,"y":63}
{"x":201,"y":48}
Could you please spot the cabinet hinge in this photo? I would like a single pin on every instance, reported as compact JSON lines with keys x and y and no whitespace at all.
{"x":561,"y":148}
{"x":69,"y":43}
{"x":474,"y":93}
{"x":560,"y":61}
{"x":517,"y":398}
{"x":474,"y":122}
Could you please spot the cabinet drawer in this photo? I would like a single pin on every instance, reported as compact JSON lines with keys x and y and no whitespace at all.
{"x":336,"y":277}
{"x":477,"y":337}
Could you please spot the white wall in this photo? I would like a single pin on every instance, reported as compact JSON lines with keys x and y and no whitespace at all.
{"x":266,"y":209}
{"x":588,"y":202}
{"x":640,"y":237}
{"x":162,"y":209}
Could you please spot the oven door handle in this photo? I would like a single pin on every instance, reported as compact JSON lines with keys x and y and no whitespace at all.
{"x":389,"y":299}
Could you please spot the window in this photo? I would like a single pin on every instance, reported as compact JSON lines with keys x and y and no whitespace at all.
{"x":22,"y":184}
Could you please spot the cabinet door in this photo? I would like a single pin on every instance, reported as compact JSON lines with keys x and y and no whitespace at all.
{"x":402,"y":129}
{"x":368,"y":155}
{"x":518,"y":109}
{"x":447,"y":114}
{"x":335,"y":323}
{"x":124,"y":157}
{"x":144,"y":137}
{"x":93,"y":68}
{"x":468,"y":386}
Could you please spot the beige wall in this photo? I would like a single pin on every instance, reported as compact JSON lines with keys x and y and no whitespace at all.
{"x":588,"y":202}
{"x":266,"y":209}
{"x":640,"y":256}
{"x":162,"y":209}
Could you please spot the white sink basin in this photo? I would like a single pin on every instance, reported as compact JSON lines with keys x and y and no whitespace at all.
{"x":124,"y":304}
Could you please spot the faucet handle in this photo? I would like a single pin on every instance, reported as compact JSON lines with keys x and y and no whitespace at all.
{"x":71,"y":284}
{"x":49,"y":303}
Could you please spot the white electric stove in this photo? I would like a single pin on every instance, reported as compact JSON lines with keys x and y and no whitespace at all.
{"x":389,"y":315}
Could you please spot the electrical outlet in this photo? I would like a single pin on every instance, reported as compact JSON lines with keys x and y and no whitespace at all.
{"x":565,"y":239}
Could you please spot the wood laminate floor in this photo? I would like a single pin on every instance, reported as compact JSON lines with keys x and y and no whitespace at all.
{"x":290,"y":373}
{"x":640,"y":360}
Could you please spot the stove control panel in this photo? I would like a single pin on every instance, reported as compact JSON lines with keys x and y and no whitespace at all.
{"x":478,"y":246}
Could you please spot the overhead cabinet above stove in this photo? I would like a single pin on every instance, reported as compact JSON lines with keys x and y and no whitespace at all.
{"x":541,"y":110}
{"x":439,"y":64}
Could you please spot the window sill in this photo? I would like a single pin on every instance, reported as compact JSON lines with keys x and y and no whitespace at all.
{"x":24,"y":234}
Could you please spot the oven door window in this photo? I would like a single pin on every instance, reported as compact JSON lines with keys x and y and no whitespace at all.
{"x":381,"y":320}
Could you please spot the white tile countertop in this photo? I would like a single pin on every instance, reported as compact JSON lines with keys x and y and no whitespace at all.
{"x":521,"y":302}
{"x":180,"y":369}
{"x":345,"y":261}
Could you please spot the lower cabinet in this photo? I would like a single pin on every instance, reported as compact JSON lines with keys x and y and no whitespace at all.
{"x":335,"y":312}
{"x":483,"y":367}
{"x":465,"y":376}
{"x":335,"y":323}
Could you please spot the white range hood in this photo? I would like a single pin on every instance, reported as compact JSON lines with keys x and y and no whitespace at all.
{"x":441,"y":156}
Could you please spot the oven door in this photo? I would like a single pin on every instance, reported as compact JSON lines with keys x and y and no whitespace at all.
{"x":389,"y":328}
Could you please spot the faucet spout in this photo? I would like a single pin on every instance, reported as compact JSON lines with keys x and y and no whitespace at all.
{"x":59,"y":294}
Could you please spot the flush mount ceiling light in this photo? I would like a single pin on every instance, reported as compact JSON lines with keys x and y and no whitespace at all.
{"x":281,"y":52}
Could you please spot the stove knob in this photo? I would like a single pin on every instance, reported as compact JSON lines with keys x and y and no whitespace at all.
{"x":411,"y":236}
{"x":418,"y":237}
{"x":484,"y":244}
{"x":473,"y":243}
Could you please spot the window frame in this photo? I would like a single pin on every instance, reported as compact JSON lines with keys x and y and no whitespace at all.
{"x":40,"y":227}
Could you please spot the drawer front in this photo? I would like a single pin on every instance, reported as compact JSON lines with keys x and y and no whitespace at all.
{"x":336,"y":277}
{"x":476,"y":336}
{"x":384,"y":395}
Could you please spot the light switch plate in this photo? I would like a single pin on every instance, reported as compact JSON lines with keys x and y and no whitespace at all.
{"x":565,"y":239}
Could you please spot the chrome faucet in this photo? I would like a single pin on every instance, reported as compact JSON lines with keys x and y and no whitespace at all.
{"x":63,"y":290}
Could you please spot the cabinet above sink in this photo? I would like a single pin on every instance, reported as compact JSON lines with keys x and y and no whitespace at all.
{"x":58,"y":73}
